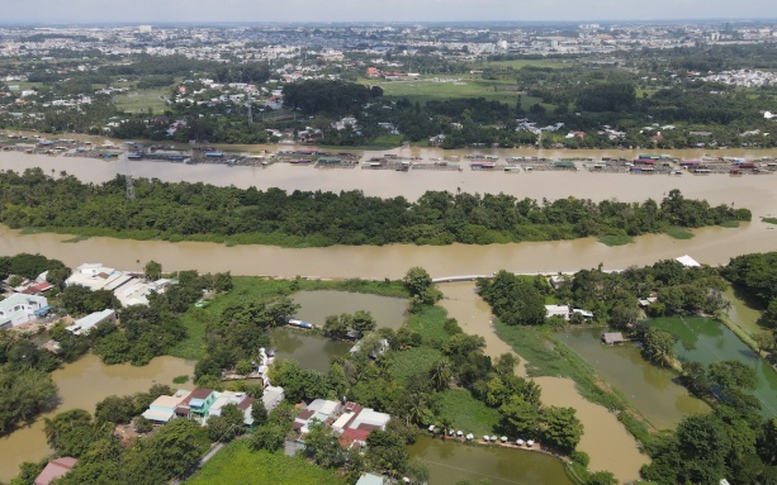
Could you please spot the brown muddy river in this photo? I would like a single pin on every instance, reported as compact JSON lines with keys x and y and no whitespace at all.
{"x":83,"y":384}
{"x":606,"y":441}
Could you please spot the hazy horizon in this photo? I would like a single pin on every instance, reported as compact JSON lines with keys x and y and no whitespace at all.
{"x":57,"y":12}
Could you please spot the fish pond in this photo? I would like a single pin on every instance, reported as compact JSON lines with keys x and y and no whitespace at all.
{"x":706,"y":341}
{"x":314,"y":351}
{"x":451,"y":461}
{"x":650,"y":389}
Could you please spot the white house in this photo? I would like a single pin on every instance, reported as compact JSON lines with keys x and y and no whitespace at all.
{"x":85,"y":325}
{"x":19,"y":308}
{"x":557,"y":311}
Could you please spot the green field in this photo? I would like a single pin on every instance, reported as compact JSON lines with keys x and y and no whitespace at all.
{"x":236,"y":464}
{"x":521,"y":63}
{"x":430,"y":323}
{"x":429,"y":89}
{"x":140,"y":100}
{"x":467,"y":413}
{"x":411,"y":362}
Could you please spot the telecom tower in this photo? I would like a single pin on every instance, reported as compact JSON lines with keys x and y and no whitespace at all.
{"x":128,"y":179}
{"x":249,"y":104}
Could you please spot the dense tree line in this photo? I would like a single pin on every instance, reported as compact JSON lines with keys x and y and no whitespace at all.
{"x":326,"y":97}
{"x":26,"y":387}
{"x":198,"y":211}
{"x":755,"y":275}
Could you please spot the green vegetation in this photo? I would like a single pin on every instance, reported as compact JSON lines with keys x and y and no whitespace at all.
{"x":432,"y":325}
{"x":769,"y":220}
{"x":467,"y":413}
{"x":426,"y":90}
{"x":755,"y":276}
{"x":615,"y":239}
{"x":195,"y":320}
{"x":198,"y":212}
{"x":237,"y":464}
{"x":413,"y":361}
{"x":142,"y":100}
{"x":681,"y":233}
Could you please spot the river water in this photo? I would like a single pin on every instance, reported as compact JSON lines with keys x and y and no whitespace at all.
{"x":82,"y":384}
{"x":606,"y":440}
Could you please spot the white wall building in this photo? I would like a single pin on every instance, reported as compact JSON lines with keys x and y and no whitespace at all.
{"x":18,"y":309}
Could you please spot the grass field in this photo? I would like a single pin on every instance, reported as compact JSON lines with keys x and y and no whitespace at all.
{"x":236,"y":464}
{"x":140,"y":100}
{"x":429,"y":89}
{"x":414,"y":361}
{"x":430,"y":323}
{"x":521,"y":63}
{"x":467,"y":413}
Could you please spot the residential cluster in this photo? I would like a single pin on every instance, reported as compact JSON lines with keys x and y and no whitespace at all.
{"x":351,"y":421}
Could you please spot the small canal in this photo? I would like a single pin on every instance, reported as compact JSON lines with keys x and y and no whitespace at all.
{"x":650,"y":389}
{"x":314,"y":351}
{"x":706,"y":341}
{"x":450,"y":462}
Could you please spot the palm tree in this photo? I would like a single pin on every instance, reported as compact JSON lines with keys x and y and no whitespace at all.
{"x":441,"y":375}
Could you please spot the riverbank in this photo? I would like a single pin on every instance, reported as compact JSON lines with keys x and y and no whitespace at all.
{"x":605,"y":439}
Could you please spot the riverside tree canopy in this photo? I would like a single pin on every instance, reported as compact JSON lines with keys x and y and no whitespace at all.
{"x":182,"y":210}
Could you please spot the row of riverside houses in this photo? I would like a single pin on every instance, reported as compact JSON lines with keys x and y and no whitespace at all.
{"x":129,"y":288}
{"x":201,"y":404}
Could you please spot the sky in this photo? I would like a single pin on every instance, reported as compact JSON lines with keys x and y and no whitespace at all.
{"x":204,"y":11}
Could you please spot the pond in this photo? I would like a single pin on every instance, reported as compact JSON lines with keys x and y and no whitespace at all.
{"x":314,"y":351}
{"x":706,"y":341}
{"x":451,"y":461}
{"x":650,"y":389}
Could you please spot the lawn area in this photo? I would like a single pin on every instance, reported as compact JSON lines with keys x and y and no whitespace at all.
{"x":414,"y":361}
{"x":236,"y":464}
{"x":467,"y":413}
{"x":140,"y":100}
{"x":424,"y":90}
{"x":249,"y":288}
{"x":430,"y":323}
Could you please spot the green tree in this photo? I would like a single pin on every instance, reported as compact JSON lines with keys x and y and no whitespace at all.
{"x":386,"y":452}
{"x":70,"y":433}
{"x":152,"y":270}
{"x":421,"y":287}
{"x":658,"y":345}
{"x":561,"y":428}
{"x":363,"y":322}
{"x":322,"y":446}
{"x":520,"y":418}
